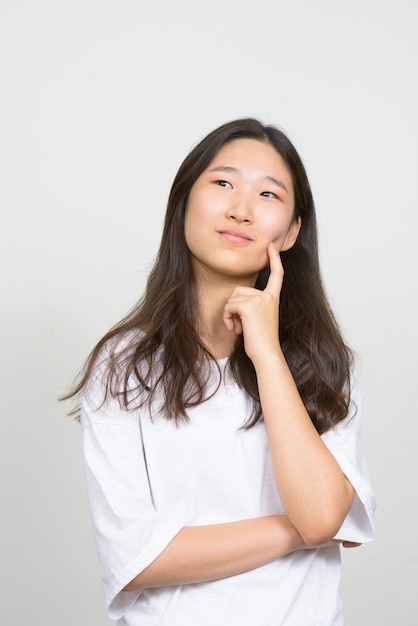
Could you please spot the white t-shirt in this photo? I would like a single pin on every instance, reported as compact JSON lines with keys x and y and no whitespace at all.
{"x":147,"y":478}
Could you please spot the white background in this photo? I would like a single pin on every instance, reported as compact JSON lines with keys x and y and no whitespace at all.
{"x":100,"y":101}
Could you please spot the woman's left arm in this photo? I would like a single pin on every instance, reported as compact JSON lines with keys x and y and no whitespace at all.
{"x":315,"y":493}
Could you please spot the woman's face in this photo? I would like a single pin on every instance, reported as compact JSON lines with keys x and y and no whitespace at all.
{"x":243,"y":201}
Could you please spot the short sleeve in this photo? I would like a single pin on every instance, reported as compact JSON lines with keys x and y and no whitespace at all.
{"x":129,"y":532}
{"x":345,"y":443}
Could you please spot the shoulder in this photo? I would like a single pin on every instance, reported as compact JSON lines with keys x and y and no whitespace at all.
{"x":110,"y":371}
{"x":115,"y":352}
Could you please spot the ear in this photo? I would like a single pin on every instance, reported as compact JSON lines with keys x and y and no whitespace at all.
{"x":292,"y":234}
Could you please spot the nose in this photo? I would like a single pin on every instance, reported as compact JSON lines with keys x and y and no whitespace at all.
{"x":240,"y":209}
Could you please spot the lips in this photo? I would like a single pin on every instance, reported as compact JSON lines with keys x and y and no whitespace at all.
{"x":235,"y":236}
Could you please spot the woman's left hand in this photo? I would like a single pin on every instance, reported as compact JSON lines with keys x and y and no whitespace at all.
{"x":255,"y":313}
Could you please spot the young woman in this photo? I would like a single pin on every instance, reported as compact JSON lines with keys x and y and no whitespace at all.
{"x":221,"y":417}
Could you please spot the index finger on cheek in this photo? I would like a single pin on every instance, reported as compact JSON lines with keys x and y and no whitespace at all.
{"x":274,"y":258}
{"x":274,"y":281}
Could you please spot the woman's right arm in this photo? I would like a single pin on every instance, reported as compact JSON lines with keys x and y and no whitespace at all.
{"x":140,"y":546}
{"x":203,"y":553}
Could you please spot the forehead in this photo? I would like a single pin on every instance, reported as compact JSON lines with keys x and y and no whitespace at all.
{"x":251,"y":154}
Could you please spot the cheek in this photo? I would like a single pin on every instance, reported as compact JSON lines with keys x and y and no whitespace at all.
{"x":203,"y":209}
{"x":189,"y":229}
{"x":195,"y":223}
{"x":190,"y":215}
{"x":195,"y":209}
{"x":275,"y":227}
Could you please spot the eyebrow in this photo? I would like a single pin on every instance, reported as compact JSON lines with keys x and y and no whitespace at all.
{"x":234,"y":170}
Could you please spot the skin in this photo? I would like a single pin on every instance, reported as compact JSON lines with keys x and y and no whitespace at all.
{"x":237,"y":194}
{"x":315,"y":493}
{"x":246,"y":190}
{"x":237,"y":221}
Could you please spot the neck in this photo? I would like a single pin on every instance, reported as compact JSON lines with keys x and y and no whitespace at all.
{"x":212,"y":296}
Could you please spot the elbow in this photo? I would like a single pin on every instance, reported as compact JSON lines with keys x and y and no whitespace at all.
{"x":321,"y":531}
{"x":322,"y":528}
{"x":316,"y":536}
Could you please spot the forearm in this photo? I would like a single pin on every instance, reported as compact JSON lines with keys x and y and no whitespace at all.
{"x":315,"y":493}
{"x":203,"y":553}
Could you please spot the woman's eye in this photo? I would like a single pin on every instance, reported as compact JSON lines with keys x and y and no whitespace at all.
{"x":268,"y":194}
{"x":223,"y":183}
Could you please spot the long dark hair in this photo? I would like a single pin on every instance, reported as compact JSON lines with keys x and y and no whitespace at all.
{"x":156,"y":345}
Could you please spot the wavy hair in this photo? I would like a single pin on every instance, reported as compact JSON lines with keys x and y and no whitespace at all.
{"x":156,"y":345}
